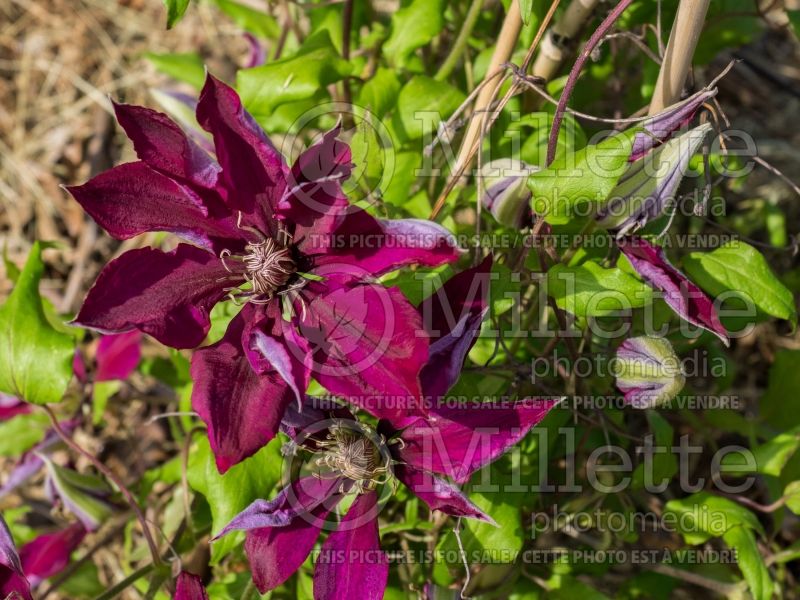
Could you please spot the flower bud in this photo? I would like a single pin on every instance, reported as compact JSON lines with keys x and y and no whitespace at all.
{"x":506,"y":194}
{"x":648,"y":372}
{"x":647,"y":188}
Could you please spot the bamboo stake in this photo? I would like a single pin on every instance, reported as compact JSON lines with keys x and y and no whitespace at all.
{"x":501,"y":55}
{"x":678,"y":57}
{"x":551,"y":54}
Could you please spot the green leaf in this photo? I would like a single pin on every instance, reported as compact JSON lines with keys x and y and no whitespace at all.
{"x":739,"y":268}
{"x":21,"y":433}
{"x":379,"y":93}
{"x":175,"y":11}
{"x":422,"y":104}
{"x":257,"y":22}
{"x":101,"y":392}
{"x":315,"y":65}
{"x":577,"y":182}
{"x":413,"y":27}
{"x":526,"y":10}
{"x":770,"y":457}
{"x":792,"y":495}
{"x":82,"y":493}
{"x":229,"y":494}
{"x":705,"y":515}
{"x":750,"y":561}
{"x":664,"y":464}
{"x":780,"y":404}
{"x":35,"y":358}
{"x":589,"y":290}
{"x":187,"y":66}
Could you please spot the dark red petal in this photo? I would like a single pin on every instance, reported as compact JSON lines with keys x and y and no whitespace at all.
{"x":456,"y":441}
{"x":352,"y":564}
{"x":49,"y":554}
{"x":381,"y":246}
{"x":241,"y":408}
{"x":118,"y":355}
{"x":684,"y":297}
{"x":367,"y":346}
{"x":439,"y":494}
{"x":253,"y":172}
{"x":163,"y":145}
{"x":189,"y":587}
{"x":132,"y":198}
{"x":12,"y":577}
{"x":167,"y":295}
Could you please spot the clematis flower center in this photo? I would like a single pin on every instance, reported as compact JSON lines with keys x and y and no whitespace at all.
{"x":358,"y":454}
{"x":269,"y":266}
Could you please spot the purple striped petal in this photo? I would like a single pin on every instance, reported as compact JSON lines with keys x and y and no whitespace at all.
{"x":118,"y":355}
{"x":660,"y":127}
{"x":457,"y":441}
{"x":241,"y":408}
{"x":132,"y":198}
{"x":683,"y":296}
{"x":49,"y":554}
{"x":351,"y":564}
{"x":189,"y":587}
{"x":167,"y":295}
{"x":12,"y":577}
{"x":439,"y":494}
{"x":647,"y":371}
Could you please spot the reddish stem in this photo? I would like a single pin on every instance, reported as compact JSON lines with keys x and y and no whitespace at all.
{"x":108,"y":473}
{"x":597,"y":36}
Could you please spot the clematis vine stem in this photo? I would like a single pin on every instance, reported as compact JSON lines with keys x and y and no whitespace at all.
{"x":117,"y":589}
{"x":594,"y":40}
{"x":460,"y":44}
{"x":108,"y":473}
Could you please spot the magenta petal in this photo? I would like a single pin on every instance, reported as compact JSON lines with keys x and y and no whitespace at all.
{"x":275,"y":553}
{"x":163,"y":145}
{"x":253,"y":172}
{"x":276,"y":348}
{"x":683,"y":296}
{"x":439,"y":494}
{"x":299,"y":498}
{"x":12,"y":577}
{"x":457,"y":441}
{"x":118,"y":355}
{"x":382,"y":246}
{"x":242,"y":409}
{"x":189,"y":587}
{"x":49,"y":554}
{"x":167,"y":295}
{"x":11,"y":406}
{"x":452,"y":316}
{"x":367,"y":347}
{"x":132,"y":198}
{"x":351,"y":564}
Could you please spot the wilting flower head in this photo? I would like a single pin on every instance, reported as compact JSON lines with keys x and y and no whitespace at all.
{"x":506,"y":194}
{"x":648,"y":372}
{"x":283,"y":241}
{"x":680,"y":294}
{"x":345,"y":457}
{"x":647,"y":188}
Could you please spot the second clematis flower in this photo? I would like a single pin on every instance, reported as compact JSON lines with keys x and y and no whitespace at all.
{"x":284,"y":241}
{"x":341,"y":458}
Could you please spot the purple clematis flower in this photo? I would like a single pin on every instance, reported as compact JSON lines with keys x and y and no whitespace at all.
{"x":683,"y":296}
{"x":283,"y":241}
{"x":189,"y":587}
{"x":349,"y":458}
